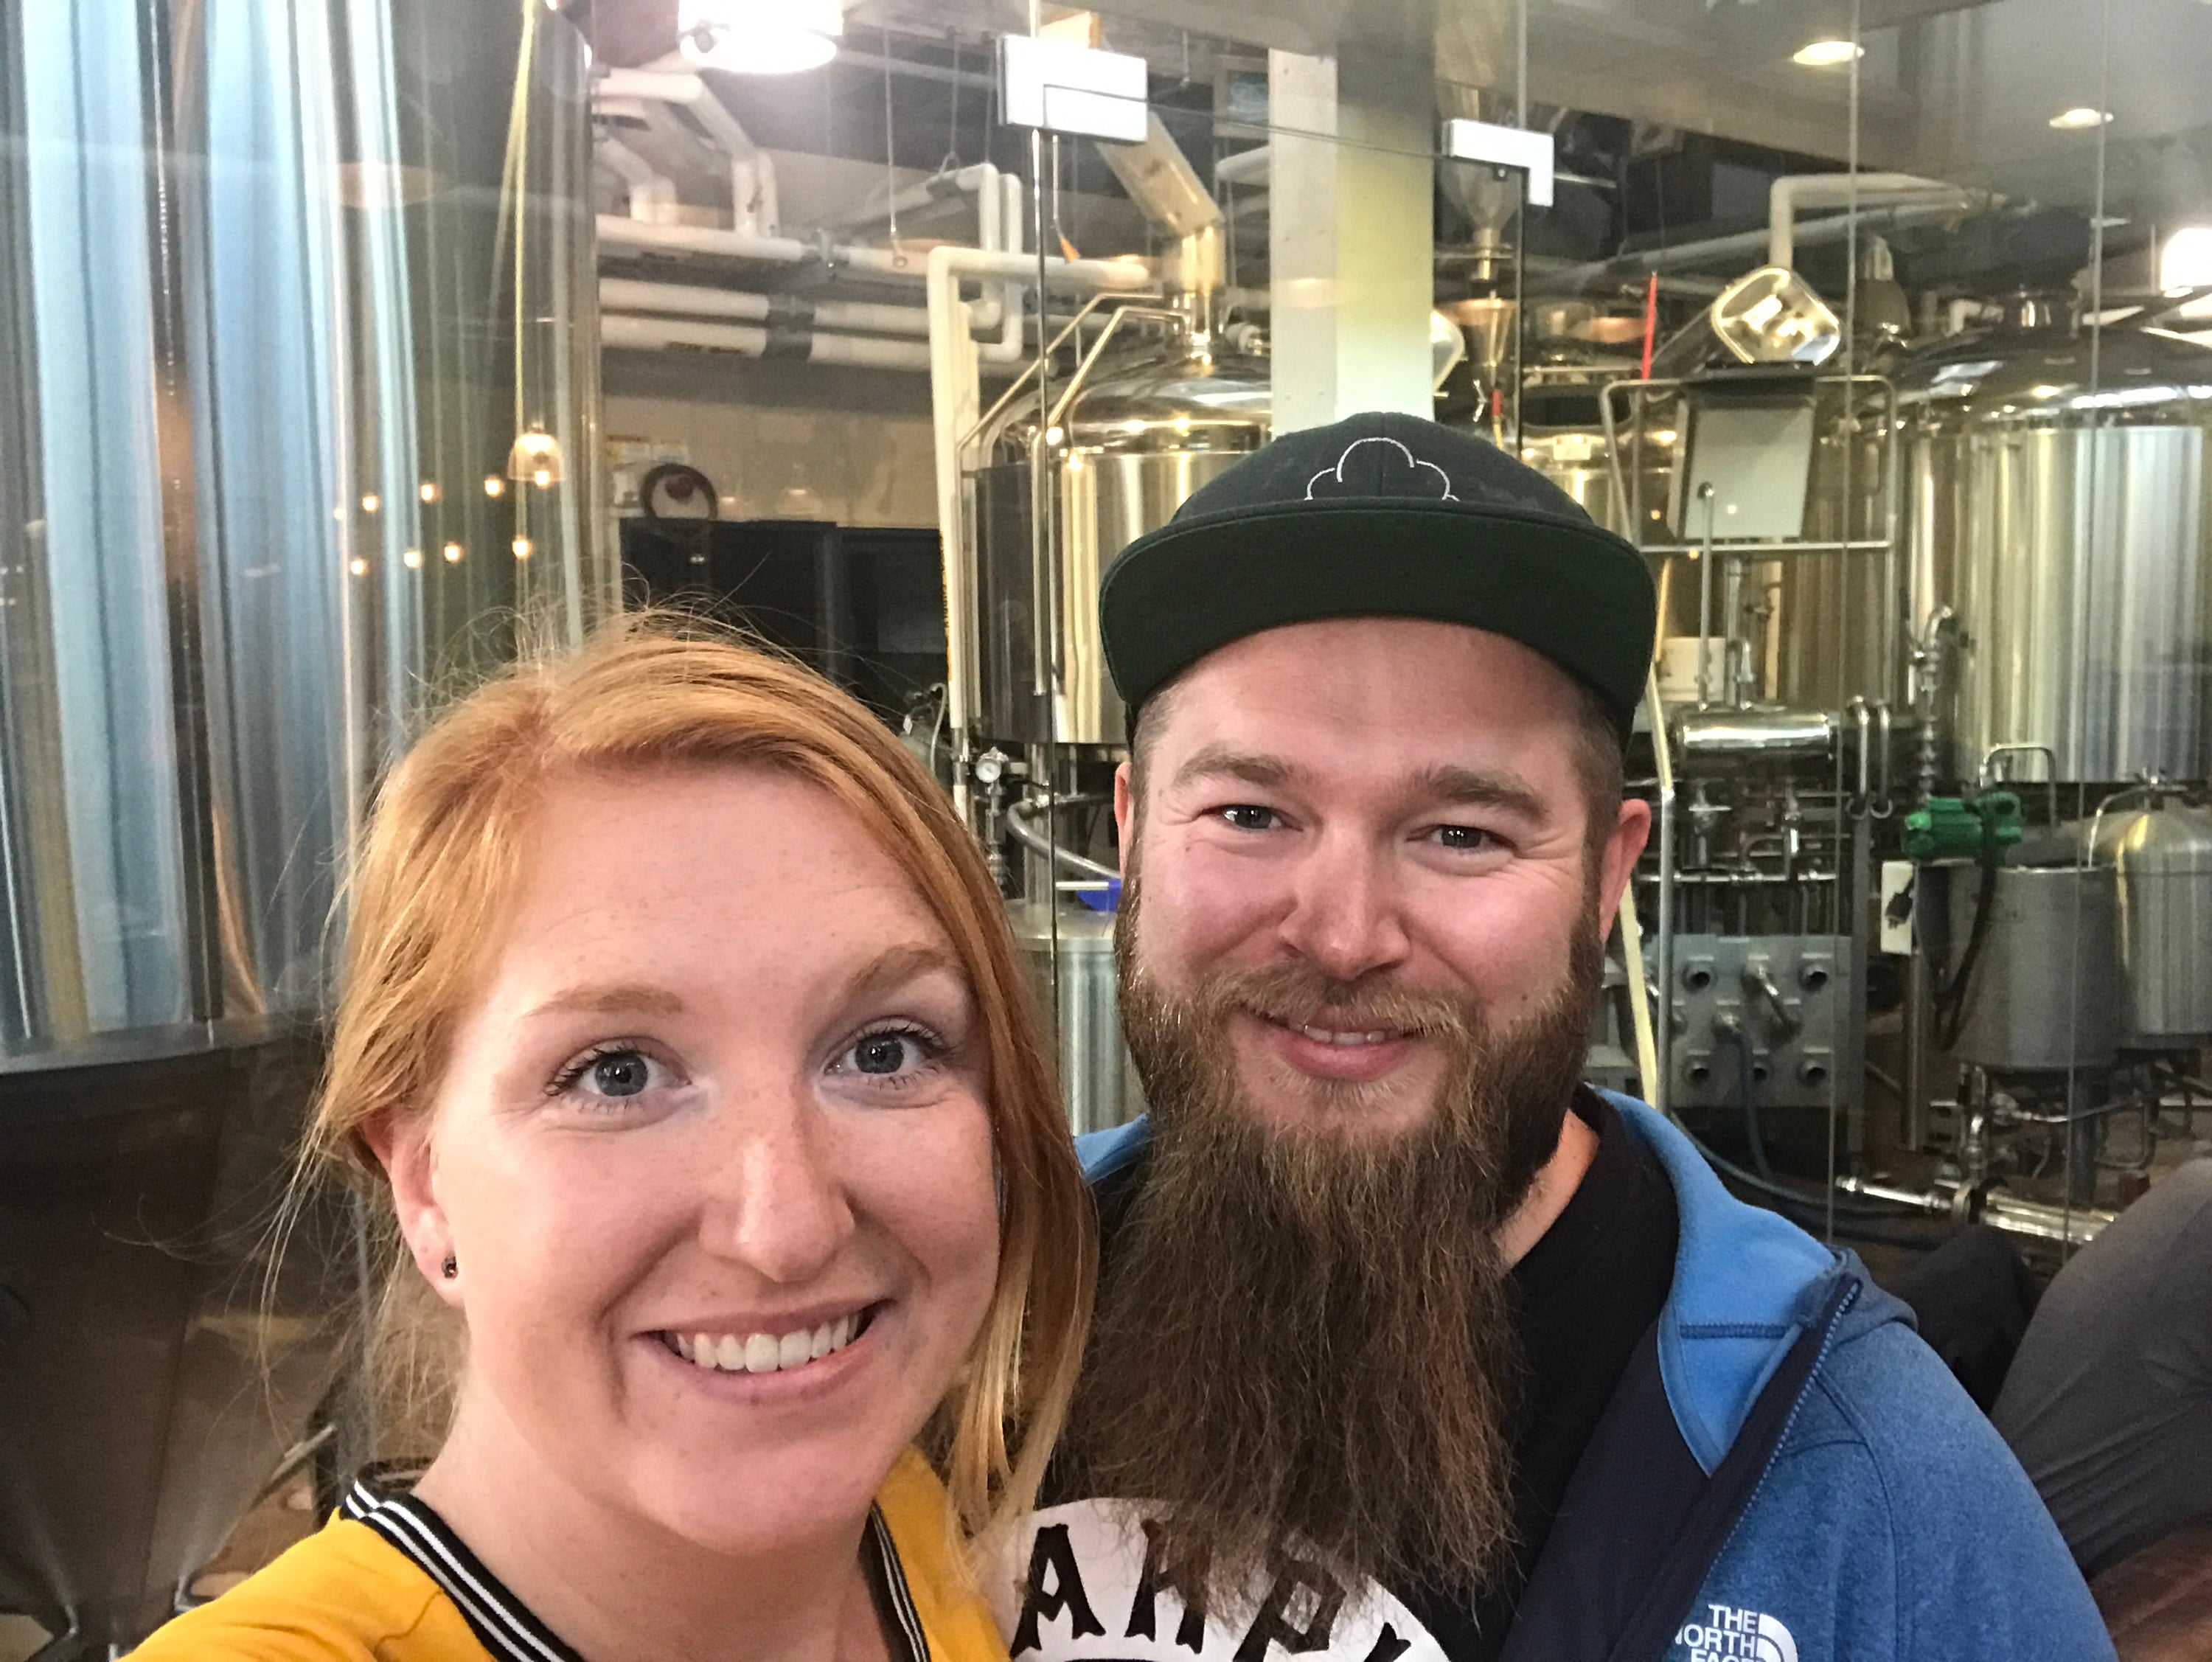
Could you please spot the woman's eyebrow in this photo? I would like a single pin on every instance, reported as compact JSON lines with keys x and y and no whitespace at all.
{"x":612,"y":998}
{"x":896,"y":966}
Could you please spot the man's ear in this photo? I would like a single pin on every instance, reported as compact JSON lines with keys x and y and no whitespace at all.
{"x":1125,"y":812}
{"x":1622,"y":849}
{"x":401,"y":1146}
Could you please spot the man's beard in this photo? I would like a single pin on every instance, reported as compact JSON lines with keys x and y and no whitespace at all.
{"x":1305,"y":1343}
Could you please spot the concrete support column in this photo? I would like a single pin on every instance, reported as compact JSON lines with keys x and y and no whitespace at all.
{"x":1350,"y":234}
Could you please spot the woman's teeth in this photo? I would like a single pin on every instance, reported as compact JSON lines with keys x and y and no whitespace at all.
{"x":764,"y":1353}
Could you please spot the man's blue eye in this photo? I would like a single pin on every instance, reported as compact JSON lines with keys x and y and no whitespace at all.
{"x":1246,"y":817}
{"x":1462,"y":836}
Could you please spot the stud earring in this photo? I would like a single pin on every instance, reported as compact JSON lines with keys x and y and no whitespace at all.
{"x":450,"y":1267}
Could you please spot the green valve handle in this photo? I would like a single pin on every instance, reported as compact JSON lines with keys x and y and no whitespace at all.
{"x":1949,"y":828}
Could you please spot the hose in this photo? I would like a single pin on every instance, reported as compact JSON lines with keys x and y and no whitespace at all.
{"x":1748,"y":1100}
{"x":1951,"y":996}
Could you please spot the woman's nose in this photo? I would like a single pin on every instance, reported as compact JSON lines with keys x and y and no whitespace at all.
{"x":780,"y":1206}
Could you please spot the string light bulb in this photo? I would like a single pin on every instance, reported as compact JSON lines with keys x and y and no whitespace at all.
{"x":535,"y":456}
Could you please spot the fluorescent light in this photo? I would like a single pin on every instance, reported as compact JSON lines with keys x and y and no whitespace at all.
{"x":1826,"y":54}
{"x":2079,"y":117}
{"x":2186,"y":262}
{"x":759,"y":37}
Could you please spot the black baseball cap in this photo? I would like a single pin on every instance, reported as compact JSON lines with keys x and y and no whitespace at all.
{"x":1382,"y":515}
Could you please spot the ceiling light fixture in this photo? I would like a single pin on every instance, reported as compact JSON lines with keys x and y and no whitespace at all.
{"x":759,"y":37}
{"x":2079,"y":117}
{"x":2186,"y":262}
{"x":1826,"y":54}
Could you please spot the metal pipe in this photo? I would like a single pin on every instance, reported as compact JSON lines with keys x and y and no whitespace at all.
{"x":1740,"y":247}
{"x":1036,"y":841}
{"x":1705,"y":602}
{"x":1661,"y":1088}
{"x":2008,"y":1212}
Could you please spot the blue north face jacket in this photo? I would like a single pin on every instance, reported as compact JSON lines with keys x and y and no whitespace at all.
{"x":1786,"y":1473}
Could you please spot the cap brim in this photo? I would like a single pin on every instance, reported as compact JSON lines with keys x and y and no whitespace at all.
{"x":1582,"y":598}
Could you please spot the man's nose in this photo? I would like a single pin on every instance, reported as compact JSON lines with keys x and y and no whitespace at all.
{"x":779,"y":1205}
{"x":1345,"y":917}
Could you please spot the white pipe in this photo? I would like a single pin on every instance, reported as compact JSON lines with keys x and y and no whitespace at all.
{"x":980,"y":180}
{"x":651,"y":192}
{"x":689,"y":300}
{"x":658,"y":334}
{"x":1795,"y":191}
{"x":753,"y":205}
{"x":1245,"y":167}
{"x":665,"y":86}
{"x":619,"y":232}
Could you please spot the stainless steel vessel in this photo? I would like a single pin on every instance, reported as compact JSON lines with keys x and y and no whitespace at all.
{"x":2057,"y":495}
{"x":2042,"y":996}
{"x":1148,"y":431}
{"x":1071,"y":963}
{"x":298,"y":350}
{"x":2161,"y":857}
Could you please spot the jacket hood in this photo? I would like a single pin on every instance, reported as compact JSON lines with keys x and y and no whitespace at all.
{"x":1747,"y":1282}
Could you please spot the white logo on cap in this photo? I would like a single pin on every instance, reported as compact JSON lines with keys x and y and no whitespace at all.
{"x":1414,"y":464}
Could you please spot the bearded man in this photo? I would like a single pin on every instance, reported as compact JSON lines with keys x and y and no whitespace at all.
{"x":1409,"y":1346}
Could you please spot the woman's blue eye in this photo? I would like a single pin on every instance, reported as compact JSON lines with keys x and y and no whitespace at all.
{"x":624,"y":1074}
{"x":892,"y":1055}
{"x":613,"y":1074}
{"x":881,"y":1053}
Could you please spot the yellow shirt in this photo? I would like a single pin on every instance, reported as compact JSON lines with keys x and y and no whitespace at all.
{"x":386,"y":1581}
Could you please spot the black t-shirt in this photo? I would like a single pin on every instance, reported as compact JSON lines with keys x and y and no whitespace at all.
{"x":1585,"y":1295}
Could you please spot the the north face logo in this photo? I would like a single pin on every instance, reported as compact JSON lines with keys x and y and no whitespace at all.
{"x":1726,"y":1633}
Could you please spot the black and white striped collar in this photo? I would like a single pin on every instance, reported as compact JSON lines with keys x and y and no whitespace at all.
{"x":511,"y":1632}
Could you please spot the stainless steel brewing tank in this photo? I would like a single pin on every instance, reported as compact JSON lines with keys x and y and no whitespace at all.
{"x":2058,"y":499}
{"x":279,"y":282}
{"x":1078,"y":1002}
{"x":2043,"y":995}
{"x":1137,"y":441}
{"x":2162,"y":857}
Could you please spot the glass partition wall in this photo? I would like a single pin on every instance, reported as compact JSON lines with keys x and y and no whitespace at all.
{"x":299,"y":360}
{"x":1877,"y":327}
{"x":334,"y":331}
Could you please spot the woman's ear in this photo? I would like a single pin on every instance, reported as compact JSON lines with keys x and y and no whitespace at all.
{"x":402,"y":1146}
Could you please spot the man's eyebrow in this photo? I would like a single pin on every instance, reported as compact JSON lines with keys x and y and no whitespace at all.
{"x":1227,"y":762}
{"x":1477,"y":787}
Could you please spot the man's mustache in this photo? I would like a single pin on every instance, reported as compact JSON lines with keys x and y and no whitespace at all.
{"x":1299,"y":995}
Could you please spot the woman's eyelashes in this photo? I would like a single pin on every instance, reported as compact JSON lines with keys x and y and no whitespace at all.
{"x":892,"y":1055}
{"x":612,"y":1075}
